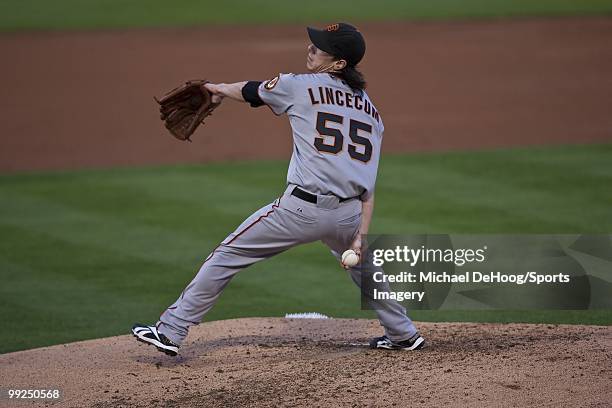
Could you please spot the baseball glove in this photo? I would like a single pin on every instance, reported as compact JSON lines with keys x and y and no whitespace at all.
{"x":184,"y":108}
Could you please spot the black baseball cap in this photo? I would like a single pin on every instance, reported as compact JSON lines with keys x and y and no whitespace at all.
{"x":341,"y":40}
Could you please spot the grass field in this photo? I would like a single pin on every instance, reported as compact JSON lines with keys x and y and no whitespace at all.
{"x":87,"y":14}
{"x":86,"y":253}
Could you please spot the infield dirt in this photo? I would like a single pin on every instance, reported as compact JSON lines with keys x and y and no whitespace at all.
{"x":85,"y":99}
{"x":273,"y":362}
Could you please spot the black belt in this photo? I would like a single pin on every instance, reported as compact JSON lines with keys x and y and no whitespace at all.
{"x":311,"y":198}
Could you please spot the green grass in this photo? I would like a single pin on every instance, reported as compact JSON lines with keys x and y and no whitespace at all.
{"x":89,"y":14}
{"x":85,"y":253}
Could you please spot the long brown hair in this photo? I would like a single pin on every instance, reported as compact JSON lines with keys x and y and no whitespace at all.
{"x":353,"y":77}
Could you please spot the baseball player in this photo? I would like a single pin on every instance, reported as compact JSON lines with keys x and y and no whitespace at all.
{"x":337,"y":136}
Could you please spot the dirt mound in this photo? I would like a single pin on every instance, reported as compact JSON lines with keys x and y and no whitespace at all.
{"x":85,"y":99}
{"x":265,"y":362}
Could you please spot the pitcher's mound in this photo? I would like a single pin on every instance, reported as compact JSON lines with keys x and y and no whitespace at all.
{"x":272,"y":362}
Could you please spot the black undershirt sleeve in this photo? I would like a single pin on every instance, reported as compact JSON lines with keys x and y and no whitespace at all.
{"x":250,"y":94}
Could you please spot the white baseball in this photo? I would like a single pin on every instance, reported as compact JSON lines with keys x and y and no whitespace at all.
{"x":350,"y":258}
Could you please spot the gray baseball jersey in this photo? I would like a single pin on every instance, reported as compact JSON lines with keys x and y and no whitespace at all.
{"x":337,"y":133}
{"x":337,"y":136}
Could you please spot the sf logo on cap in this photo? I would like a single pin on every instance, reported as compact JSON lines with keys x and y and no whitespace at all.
{"x":333,"y":27}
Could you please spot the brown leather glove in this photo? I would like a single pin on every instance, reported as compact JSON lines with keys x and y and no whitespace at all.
{"x":184,"y":108}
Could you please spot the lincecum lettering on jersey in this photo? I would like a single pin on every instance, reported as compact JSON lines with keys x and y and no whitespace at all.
{"x":330,"y":96}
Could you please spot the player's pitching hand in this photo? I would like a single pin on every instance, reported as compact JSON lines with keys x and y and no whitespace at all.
{"x":355,"y":246}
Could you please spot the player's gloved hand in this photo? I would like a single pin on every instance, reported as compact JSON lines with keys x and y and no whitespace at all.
{"x":217,"y":99}
{"x":184,"y":108}
{"x":215,"y":90}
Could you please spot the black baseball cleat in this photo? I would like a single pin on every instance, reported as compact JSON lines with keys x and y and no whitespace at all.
{"x":150,"y":335}
{"x":414,"y":343}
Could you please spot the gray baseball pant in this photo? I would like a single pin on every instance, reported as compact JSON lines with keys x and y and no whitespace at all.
{"x":283,"y":224}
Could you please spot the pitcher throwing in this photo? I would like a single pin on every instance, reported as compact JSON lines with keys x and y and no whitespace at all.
{"x":337,"y":136}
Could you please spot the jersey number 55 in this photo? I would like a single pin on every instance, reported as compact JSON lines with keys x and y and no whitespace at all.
{"x":360,"y":149}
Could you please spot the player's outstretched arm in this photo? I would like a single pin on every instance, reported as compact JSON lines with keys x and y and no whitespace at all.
{"x":232,"y":91}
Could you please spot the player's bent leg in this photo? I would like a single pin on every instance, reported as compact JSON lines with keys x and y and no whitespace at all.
{"x":267,"y":232}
